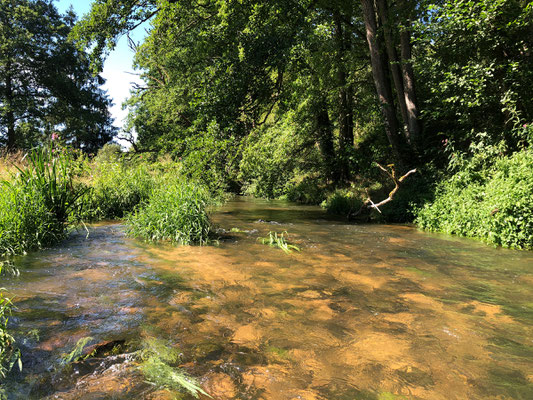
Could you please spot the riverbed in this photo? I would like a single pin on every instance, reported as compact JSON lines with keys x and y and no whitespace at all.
{"x":360,"y":312}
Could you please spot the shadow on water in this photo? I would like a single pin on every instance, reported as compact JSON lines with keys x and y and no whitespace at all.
{"x":362,"y":312}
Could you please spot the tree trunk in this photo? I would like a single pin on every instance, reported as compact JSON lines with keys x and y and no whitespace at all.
{"x":394,"y":62}
{"x":383,"y":88}
{"x":10,"y":112}
{"x":346,"y":138}
{"x":409,"y":83}
{"x":325,"y":140}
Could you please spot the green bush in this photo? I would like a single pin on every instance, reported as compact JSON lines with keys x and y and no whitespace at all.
{"x":309,"y":189}
{"x":342,"y":202}
{"x":176,"y":213}
{"x":273,"y":157}
{"x":117,"y":187}
{"x":492,"y":204}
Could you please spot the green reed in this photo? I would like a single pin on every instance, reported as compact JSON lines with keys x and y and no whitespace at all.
{"x":279,"y":240}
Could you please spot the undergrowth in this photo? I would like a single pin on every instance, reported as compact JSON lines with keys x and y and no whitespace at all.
{"x":489,"y":203}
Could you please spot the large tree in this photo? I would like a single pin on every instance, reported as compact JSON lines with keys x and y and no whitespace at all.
{"x":45,"y":83}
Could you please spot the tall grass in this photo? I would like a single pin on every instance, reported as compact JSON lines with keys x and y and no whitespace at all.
{"x":36,"y":203}
{"x":175,"y":213}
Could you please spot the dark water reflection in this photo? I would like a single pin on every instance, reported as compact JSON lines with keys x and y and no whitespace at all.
{"x":363,"y":312}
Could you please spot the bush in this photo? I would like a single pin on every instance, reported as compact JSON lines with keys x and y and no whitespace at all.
{"x":273,"y":157}
{"x":342,"y":202}
{"x":309,"y":189}
{"x":117,"y":187}
{"x":175,"y":213}
{"x":492,"y":204}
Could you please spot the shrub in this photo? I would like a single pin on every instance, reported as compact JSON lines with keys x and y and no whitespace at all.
{"x":116,"y":188}
{"x":492,"y":204}
{"x":175,"y":213}
{"x":342,"y":202}
{"x":273,"y":156}
{"x":309,"y":189}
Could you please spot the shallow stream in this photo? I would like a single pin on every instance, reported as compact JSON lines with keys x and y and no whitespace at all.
{"x":362,"y":312}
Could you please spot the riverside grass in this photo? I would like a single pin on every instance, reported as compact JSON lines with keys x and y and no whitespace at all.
{"x":175,"y":213}
{"x":55,"y":189}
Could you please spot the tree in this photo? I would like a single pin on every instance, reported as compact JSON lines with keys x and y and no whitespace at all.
{"x":475,"y":67}
{"x":45,"y":83}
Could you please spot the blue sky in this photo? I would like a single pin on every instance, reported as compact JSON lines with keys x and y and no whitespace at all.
{"x":117,"y":67}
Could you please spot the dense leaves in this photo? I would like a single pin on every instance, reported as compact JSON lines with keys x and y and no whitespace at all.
{"x":45,"y":83}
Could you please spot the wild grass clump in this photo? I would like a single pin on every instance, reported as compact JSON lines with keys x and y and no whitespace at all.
{"x":36,"y":204}
{"x":175,"y":213}
{"x":492,"y":204}
{"x":280,"y":241}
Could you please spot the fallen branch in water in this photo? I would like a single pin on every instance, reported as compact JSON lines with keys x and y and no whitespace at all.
{"x":369,"y":204}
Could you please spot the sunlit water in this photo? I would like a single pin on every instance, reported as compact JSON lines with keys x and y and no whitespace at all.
{"x":362,"y":312}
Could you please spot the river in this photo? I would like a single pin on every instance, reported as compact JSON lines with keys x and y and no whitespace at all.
{"x":361,"y":312}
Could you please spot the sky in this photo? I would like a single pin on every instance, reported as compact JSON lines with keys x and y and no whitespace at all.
{"x":118,"y":65}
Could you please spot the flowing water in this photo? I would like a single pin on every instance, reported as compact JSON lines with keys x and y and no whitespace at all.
{"x":362,"y":312}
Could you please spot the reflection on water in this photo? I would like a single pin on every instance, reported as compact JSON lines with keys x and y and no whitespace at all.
{"x":362,"y":312}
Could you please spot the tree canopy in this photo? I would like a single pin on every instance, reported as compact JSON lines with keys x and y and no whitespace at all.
{"x":46,"y":84}
{"x":343,"y":84}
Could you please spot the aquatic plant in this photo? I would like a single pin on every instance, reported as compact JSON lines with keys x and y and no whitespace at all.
{"x":176,"y":213}
{"x":278,"y":240}
{"x":77,"y":353}
{"x":159,"y":365}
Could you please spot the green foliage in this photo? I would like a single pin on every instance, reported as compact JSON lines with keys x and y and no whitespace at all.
{"x":77,"y":353}
{"x":176,"y":213}
{"x":266,"y":163}
{"x":37,"y":203}
{"x":492,"y":204}
{"x":50,"y":173}
{"x":110,"y":152}
{"x":116,"y":188}
{"x":342,"y":202}
{"x":46,"y":86}
{"x":9,"y":354}
{"x":159,"y":365}
{"x":279,"y":240}
{"x":306,"y":189}
{"x":474,"y":61}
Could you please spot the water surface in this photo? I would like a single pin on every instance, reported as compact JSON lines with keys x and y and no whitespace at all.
{"x":362,"y":312}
